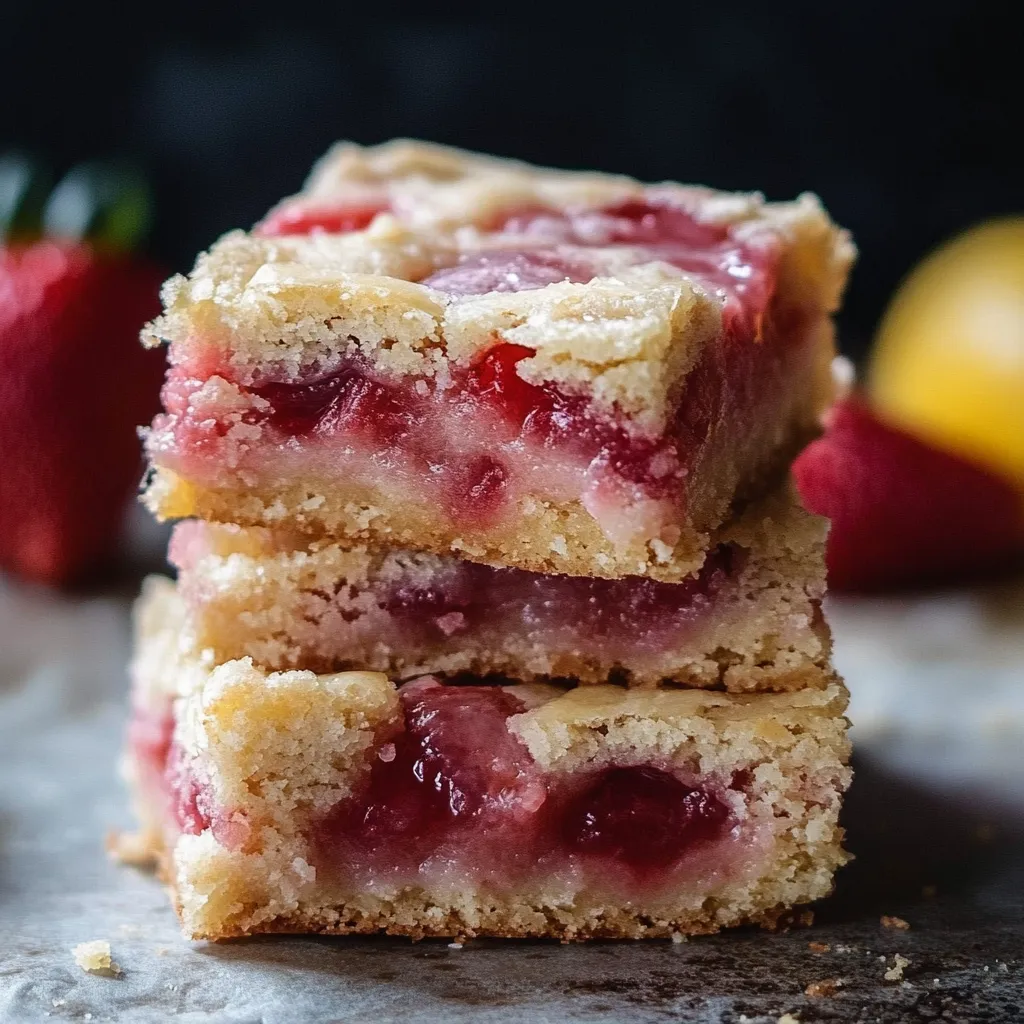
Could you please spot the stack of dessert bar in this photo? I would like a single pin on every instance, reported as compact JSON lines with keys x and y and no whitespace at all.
{"x":494,"y":613}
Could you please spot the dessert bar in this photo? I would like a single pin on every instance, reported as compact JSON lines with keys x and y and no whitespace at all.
{"x":552,"y":371}
{"x":749,"y":619}
{"x":339,"y":803}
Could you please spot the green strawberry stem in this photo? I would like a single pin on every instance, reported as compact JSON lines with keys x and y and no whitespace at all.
{"x":107,"y":204}
{"x":24,"y":186}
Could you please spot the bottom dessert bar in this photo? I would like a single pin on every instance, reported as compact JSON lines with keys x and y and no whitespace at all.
{"x":296,"y":802}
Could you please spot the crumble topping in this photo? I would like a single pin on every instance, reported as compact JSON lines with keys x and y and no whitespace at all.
{"x":628,"y":334}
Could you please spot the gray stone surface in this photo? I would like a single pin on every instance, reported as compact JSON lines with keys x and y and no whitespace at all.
{"x":912,"y":823}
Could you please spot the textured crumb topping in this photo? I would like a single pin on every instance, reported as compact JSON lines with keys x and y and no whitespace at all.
{"x":616,"y":286}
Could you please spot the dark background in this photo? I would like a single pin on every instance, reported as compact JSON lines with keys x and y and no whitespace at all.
{"x":905,"y":118}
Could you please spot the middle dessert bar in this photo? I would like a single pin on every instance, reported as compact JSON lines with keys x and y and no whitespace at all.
{"x":748,"y":620}
{"x":575,"y":374}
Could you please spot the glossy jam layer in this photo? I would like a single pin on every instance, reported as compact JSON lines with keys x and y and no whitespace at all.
{"x":742,"y":271}
{"x":305,"y":218}
{"x":150,"y":734}
{"x":456,"y":791}
{"x":623,"y":620}
{"x":453,"y":797}
{"x":509,"y":270}
{"x":394,"y":414}
{"x":178,"y":796}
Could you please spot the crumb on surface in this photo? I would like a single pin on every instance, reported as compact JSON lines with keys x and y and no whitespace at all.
{"x":132,"y":848}
{"x":788,"y":1018}
{"x":824,"y":988}
{"x":819,"y":947}
{"x":794,"y":919}
{"x":895,"y":973}
{"x":889,"y":921}
{"x":94,"y":957}
{"x":679,"y":937}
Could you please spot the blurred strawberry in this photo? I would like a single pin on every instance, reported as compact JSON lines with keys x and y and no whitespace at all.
{"x":902,"y":511}
{"x":74,"y":381}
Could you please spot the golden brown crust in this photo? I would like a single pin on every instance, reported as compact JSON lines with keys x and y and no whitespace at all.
{"x":428,"y":921}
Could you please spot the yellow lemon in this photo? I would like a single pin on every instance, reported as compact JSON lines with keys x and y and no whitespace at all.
{"x":948,"y":363}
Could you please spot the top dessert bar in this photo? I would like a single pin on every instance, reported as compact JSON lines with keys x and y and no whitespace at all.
{"x":556,"y":371}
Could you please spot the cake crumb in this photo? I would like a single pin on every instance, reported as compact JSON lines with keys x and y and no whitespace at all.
{"x":895,"y":973}
{"x":788,"y":1018}
{"x":662,"y":551}
{"x":678,"y":938}
{"x":819,"y":947}
{"x":131,"y":848}
{"x":889,"y":921}
{"x":94,"y":957}
{"x":823,"y":989}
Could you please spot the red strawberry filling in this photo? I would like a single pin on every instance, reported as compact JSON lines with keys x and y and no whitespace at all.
{"x":743,"y":271}
{"x":507,"y":271}
{"x":184,"y":800}
{"x":456,"y":788}
{"x":428,"y":428}
{"x":641,"y":816}
{"x":454,"y":794}
{"x":306,"y":218}
{"x":627,"y":620}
